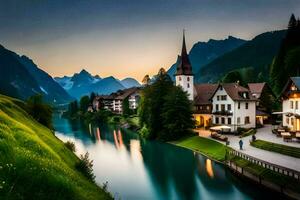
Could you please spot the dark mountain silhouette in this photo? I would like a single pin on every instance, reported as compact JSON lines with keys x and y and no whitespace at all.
{"x":21,"y":78}
{"x":204,"y":52}
{"x":257,"y":53}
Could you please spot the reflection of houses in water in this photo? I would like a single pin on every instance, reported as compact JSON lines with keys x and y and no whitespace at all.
{"x":135,"y":150}
{"x":118,"y":139}
{"x":209,"y":168}
{"x":98,"y":135}
{"x":212,"y":175}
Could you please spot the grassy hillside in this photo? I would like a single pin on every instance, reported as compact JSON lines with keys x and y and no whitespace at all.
{"x":34,"y":164}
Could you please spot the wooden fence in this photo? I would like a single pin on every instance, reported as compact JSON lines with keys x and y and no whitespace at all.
{"x":276,"y":168}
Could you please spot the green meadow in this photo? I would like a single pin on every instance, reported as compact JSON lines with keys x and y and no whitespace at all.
{"x":34,"y":164}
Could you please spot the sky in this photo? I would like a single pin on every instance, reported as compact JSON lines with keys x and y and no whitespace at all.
{"x":128,"y":38}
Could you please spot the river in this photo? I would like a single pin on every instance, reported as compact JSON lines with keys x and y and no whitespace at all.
{"x":139,"y":169}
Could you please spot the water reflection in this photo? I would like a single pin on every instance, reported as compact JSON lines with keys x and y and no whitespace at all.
{"x":139,"y":169}
{"x":209,"y":168}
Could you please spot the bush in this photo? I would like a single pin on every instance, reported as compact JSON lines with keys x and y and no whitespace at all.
{"x":144,"y":132}
{"x":85,"y":166}
{"x":70,"y":145}
{"x":247,"y":133}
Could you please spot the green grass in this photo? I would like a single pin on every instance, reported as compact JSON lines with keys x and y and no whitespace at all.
{"x":267,"y":174}
{"x":34,"y":164}
{"x":247,"y":133}
{"x":210,"y":148}
{"x":278,"y":148}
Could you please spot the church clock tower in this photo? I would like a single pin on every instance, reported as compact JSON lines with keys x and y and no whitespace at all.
{"x":184,"y":76}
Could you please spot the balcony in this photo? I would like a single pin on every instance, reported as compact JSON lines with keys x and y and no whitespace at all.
{"x":223,"y":112}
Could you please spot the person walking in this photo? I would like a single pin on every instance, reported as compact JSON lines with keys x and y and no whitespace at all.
{"x":241,"y":144}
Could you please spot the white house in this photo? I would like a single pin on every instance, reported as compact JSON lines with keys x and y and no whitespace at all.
{"x":291,"y":104}
{"x":114,"y":101}
{"x":234,"y":106}
{"x":227,"y":104}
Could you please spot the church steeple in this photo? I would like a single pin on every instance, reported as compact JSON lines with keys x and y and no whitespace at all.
{"x":184,"y":74}
{"x":184,"y":66}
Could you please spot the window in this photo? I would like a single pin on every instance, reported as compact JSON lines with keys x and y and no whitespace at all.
{"x":292,"y":121}
{"x":296,"y":105}
{"x":247,"y":120}
{"x":239,"y":105}
{"x":217,"y":107}
{"x":224,"y":97}
{"x":222,"y":120}
{"x":200,"y":107}
{"x":179,"y":78}
{"x":188,"y":78}
{"x":292,"y":104}
{"x":287,"y":120}
{"x":207,"y":107}
{"x":246,"y":105}
{"x":217,"y":120}
{"x":221,"y":88}
{"x":218,"y":98}
{"x":223,"y":107}
{"x":238,"y":120}
{"x":188,"y":85}
{"x":228,"y":106}
{"x":229,"y":120}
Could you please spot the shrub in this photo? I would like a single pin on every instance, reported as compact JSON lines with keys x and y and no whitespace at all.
{"x":144,"y":132}
{"x":70,"y":145}
{"x":85,"y":166}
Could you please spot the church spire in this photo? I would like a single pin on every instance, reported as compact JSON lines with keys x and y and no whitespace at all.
{"x":184,"y":67}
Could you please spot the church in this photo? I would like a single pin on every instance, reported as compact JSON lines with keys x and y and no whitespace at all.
{"x":227,"y":104}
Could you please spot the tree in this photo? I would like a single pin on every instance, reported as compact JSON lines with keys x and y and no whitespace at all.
{"x":84,"y":103}
{"x":72,"y":108}
{"x":155,"y":113}
{"x":146,"y":80}
{"x":39,"y":110}
{"x":92,"y":97}
{"x":125,"y":107}
{"x":292,"y":22}
{"x":177,"y":115}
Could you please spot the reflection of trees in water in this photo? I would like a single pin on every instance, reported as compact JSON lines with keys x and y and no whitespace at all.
{"x":169,"y":165}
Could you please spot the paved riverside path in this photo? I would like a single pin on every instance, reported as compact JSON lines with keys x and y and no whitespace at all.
{"x":271,"y":157}
{"x":264,"y":133}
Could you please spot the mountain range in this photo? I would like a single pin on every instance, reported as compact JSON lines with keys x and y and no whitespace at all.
{"x":257,"y":54}
{"x":203,"y":53}
{"x":21,"y":78}
{"x":83,"y":83}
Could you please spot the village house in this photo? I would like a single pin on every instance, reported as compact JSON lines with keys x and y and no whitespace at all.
{"x":233,"y":106}
{"x":115,"y":101}
{"x":216,"y":104}
{"x":290,"y":97}
{"x":265,"y":100}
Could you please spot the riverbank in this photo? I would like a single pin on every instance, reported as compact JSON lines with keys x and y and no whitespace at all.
{"x":34,"y":164}
{"x":217,"y":151}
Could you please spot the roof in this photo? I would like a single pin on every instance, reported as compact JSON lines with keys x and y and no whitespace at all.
{"x":204,"y":93}
{"x":261,"y":113}
{"x":296,"y":81}
{"x":256,"y":88}
{"x":184,"y":66}
{"x":236,"y":92}
{"x":123,"y":94}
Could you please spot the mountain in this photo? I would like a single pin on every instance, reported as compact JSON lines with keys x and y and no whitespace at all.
{"x":257,"y":53}
{"x":52,"y":91}
{"x":21,"y":78}
{"x":204,"y":52}
{"x":84,"y":83}
{"x":130,"y":82}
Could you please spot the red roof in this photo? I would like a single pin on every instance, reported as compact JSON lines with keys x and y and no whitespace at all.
{"x":237,"y":92}
{"x":256,"y":88}
{"x":204,"y":93}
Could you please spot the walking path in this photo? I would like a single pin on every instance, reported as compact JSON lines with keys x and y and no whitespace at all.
{"x":272,"y":157}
